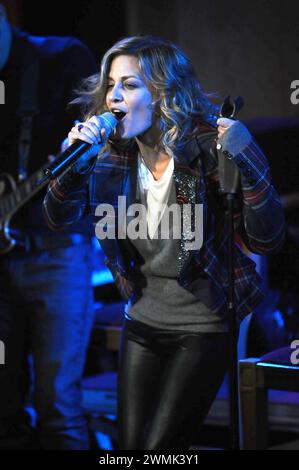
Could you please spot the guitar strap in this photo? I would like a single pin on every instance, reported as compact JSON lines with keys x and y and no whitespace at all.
{"x":28,"y":105}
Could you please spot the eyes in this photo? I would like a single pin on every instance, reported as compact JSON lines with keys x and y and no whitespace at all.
{"x":126,"y":85}
{"x":130,"y":86}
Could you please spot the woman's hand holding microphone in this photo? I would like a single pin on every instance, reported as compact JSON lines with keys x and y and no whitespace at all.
{"x":91,"y":132}
{"x":83,"y":143}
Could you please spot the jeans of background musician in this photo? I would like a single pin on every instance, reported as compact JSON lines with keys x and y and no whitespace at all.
{"x":46,"y":307}
{"x":167,"y":383}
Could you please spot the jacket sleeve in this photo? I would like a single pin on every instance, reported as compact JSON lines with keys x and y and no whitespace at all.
{"x":67,"y":198}
{"x":262,"y":223}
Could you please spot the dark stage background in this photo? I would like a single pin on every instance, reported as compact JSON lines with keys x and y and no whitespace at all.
{"x":238,"y":47}
{"x":98,"y":23}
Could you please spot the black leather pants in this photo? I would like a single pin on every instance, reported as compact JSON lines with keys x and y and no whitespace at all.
{"x":167,"y":383}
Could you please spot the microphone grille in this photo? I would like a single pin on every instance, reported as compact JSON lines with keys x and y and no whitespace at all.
{"x":109,"y":121}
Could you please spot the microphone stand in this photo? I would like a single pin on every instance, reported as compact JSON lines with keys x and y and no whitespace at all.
{"x":229,"y":185}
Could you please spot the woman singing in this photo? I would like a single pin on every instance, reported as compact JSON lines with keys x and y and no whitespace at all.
{"x":163,"y":157}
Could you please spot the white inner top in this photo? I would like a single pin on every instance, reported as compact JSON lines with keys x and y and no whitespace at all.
{"x":154,"y":194}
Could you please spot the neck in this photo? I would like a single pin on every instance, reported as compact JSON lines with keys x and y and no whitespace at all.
{"x":152,"y":155}
{"x":5,"y":42}
{"x":150,"y":149}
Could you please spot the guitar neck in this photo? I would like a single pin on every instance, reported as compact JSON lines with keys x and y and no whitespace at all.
{"x":12,"y":202}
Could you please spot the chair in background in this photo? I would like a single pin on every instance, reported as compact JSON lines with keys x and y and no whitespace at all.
{"x":257,"y":376}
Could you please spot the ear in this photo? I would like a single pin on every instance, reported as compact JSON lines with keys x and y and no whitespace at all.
{"x":155,"y":101}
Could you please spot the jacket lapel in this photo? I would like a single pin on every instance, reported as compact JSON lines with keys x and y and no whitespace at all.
{"x":186,"y":184}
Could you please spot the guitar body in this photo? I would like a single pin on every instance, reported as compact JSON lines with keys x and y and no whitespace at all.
{"x":12,"y":198}
{"x":7,"y":242}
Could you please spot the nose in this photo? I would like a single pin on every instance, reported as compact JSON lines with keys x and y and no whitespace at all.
{"x":115,"y":94}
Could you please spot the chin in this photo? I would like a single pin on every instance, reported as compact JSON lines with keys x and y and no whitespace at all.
{"x":127,"y":134}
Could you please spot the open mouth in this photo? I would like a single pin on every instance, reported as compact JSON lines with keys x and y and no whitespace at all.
{"x":118,"y":114}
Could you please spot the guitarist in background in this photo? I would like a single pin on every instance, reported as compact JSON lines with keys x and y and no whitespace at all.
{"x":45,"y":279}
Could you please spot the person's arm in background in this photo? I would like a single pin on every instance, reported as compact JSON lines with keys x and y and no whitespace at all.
{"x":262,"y":224}
{"x":67,"y":196}
{"x":78,"y":64}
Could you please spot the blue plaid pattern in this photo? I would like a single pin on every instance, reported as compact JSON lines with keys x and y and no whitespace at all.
{"x":259,"y":218}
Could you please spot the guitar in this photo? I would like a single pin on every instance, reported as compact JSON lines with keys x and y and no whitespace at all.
{"x":12,"y":198}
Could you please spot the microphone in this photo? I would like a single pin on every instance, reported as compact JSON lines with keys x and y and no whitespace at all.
{"x":67,"y":158}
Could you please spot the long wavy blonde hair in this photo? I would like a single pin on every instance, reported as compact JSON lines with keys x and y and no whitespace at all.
{"x":166,"y":70}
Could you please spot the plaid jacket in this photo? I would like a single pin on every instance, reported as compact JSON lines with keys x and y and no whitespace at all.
{"x":259,"y":219}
